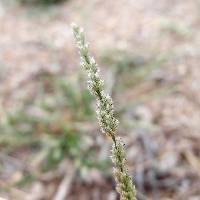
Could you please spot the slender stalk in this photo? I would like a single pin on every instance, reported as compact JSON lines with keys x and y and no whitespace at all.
{"x":105,"y":114}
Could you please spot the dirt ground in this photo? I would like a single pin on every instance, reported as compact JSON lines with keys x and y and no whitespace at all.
{"x":159,"y":109}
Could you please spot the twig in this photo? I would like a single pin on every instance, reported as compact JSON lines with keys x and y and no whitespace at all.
{"x":65,"y":185}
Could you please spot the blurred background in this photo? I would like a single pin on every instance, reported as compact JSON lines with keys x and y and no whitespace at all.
{"x":51,"y":147}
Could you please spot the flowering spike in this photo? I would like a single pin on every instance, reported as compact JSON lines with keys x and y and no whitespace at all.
{"x":105,"y":114}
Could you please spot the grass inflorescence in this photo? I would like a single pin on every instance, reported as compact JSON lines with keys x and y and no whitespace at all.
{"x":105,"y":114}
